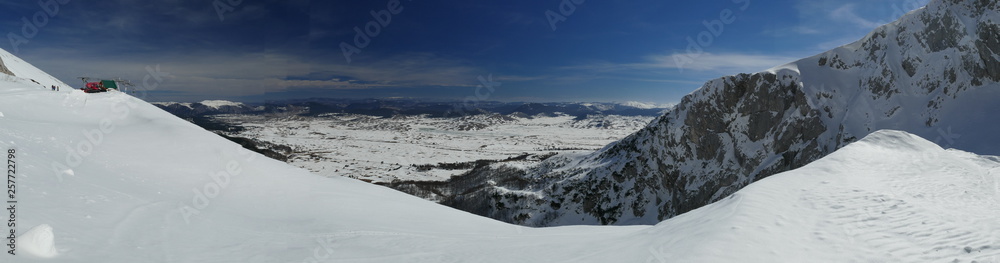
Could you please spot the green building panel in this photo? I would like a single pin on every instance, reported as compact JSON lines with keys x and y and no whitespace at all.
{"x":109,"y":84}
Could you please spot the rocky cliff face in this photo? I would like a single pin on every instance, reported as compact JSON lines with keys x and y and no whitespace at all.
{"x":933,"y":73}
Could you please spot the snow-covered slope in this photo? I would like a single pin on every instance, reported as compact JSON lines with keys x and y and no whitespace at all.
{"x":934,"y":73}
{"x":119,"y":180}
{"x":150,"y":187}
{"x":16,"y":70}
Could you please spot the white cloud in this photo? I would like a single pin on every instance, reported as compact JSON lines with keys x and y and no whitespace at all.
{"x":677,"y":68}
{"x":722,"y":62}
{"x":841,"y":15}
{"x":827,"y":24}
{"x":846,"y":13}
{"x":806,"y":30}
{"x":793,"y":30}
{"x":217,"y":74}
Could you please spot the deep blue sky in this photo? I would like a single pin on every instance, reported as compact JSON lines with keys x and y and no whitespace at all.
{"x":435,"y":49}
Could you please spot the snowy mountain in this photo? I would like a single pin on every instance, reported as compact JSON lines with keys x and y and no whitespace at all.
{"x":933,"y":73}
{"x":645,"y":105}
{"x":189,"y":110}
{"x":108,"y":178}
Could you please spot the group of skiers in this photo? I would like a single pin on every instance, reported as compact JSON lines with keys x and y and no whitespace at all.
{"x":55,"y":88}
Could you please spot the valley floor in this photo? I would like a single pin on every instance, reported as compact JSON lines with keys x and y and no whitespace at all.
{"x":379,"y":149}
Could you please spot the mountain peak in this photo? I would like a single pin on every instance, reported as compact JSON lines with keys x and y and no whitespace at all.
{"x":933,"y":73}
{"x":899,"y":140}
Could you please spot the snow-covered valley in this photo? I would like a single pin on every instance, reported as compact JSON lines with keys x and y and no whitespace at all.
{"x":378,"y":149}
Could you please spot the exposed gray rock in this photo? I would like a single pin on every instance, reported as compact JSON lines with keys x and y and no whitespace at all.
{"x":739,"y":129}
{"x":4,"y":70}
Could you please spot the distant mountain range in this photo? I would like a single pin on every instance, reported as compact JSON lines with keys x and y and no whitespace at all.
{"x":393,"y":107}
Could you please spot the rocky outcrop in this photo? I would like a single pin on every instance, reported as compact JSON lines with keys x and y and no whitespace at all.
{"x":920,"y":74}
{"x":4,"y":70}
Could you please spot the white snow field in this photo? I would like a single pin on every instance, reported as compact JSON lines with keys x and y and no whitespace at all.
{"x":380,"y":149}
{"x":109,"y":178}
